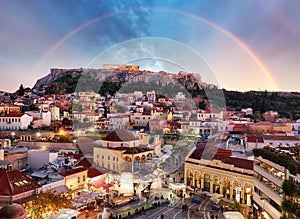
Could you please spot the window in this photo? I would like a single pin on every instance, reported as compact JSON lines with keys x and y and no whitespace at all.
{"x":113,"y":158}
{"x":83,"y":178}
{"x":102,"y":157}
{"x":78,"y":180}
{"x":117,"y":159}
{"x":97,"y":155}
{"x":108,"y":157}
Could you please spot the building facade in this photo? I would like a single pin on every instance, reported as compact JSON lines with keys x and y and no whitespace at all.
{"x":268,"y":181}
{"x":219,"y":173}
{"x":16,"y":121}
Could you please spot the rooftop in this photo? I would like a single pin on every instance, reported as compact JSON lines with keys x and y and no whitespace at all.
{"x":14,"y":182}
{"x":121,"y":135}
{"x":73,"y":171}
{"x":208,"y":152}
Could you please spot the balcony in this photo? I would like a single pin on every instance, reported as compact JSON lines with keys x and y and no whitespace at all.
{"x":266,"y":206}
{"x":277,"y":197}
{"x":276,"y":180}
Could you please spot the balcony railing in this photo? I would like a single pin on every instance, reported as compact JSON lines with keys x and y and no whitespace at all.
{"x":277,"y":180}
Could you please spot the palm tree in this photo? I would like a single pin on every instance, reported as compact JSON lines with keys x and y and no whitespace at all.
{"x":235,"y":206}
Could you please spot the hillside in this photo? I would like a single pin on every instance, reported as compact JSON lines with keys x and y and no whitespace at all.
{"x":108,"y":82}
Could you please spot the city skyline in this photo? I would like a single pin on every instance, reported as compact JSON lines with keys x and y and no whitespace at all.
{"x":246,"y":45}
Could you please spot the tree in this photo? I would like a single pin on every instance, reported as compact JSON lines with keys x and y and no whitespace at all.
{"x":47,"y":204}
{"x":21,"y":90}
{"x":235,"y":206}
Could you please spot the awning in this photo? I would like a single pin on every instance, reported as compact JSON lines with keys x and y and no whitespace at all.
{"x":100,"y":183}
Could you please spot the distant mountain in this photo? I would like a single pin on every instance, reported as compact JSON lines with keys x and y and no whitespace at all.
{"x":109,"y":81}
{"x":65,"y":80}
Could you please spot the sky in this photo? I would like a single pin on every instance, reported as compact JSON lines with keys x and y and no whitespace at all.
{"x":237,"y":45}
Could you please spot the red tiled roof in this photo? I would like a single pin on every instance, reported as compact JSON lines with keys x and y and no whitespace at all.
{"x":280,"y":138}
{"x":73,"y":171}
{"x":237,"y":162}
{"x":84,"y":163}
{"x":254,"y":138}
{"x":93,"y":172}
{"x":207,"y":152}
{"x":239,"y":128}
{"x":8,"y":178}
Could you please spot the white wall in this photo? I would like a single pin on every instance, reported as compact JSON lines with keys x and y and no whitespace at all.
{"x":37,"y":158}
{"x":46,"y":116}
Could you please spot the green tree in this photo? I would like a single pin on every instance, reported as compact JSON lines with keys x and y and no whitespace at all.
{"x":235,"y":206}
{"x":21,"y":90}
{"x":47,"y":204}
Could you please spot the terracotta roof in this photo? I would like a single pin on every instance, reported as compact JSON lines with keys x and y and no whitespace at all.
{"x":121,"y":135}
{"x":208,"y":152}
{"x":280,"y":138}
{"x":73,"y":171}
{"x":93,"y":172}
{"x":14,"y":182}
{"x":239,"y":128}
{"x":237,"y":162}
{"x":204,"y":151}
{"x":254,"y":138}
{"x":84,"y":162}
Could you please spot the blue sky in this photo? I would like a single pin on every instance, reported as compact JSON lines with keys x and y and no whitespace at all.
{"x":227,"y":35}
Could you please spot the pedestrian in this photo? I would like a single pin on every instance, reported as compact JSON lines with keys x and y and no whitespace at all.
{"x":212,"y":216}
{"x":162,"y":216}
{"x":217,"y":216}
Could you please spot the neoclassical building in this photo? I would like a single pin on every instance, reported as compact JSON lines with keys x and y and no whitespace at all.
{"x":121,"y":151}
{"x":216,"y":171}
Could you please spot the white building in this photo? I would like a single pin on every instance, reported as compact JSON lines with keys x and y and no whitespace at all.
{"x":180,"y":96}
{"x":247,"y":111}
{"x":121,"y":151}
{"x":37,"y":158}
{"x":55,"y":113}
{"x":15,"y":121}
{"x":208,"y":114}
{"x":46,"y":118}
{"x":118,"y":121}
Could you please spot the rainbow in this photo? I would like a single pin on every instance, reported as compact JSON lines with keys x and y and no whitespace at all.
{"x":233,"y":37}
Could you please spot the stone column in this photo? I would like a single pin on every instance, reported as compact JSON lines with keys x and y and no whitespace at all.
{"x":243,"y":195}
{"x":202,"y":183}
{"x":231,"y":191}
{"x":221,"y":188}
{"x":211,"y":186}
{"x":193,"y":182}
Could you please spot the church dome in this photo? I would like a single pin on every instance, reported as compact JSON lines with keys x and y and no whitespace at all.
{"x":14,"y":211}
